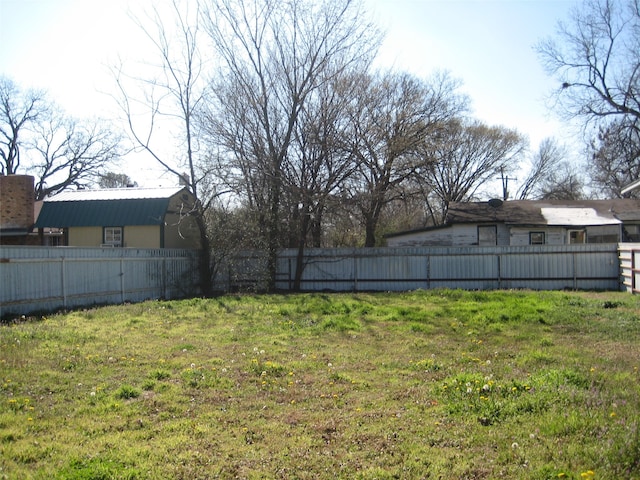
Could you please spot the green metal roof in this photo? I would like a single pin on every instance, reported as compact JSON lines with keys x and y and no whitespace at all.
{"x":101,"y":213}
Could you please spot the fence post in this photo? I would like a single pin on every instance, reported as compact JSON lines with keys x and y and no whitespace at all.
{"x":121,"y":281}
{"x":164,"y":274}
{"x":428,"y":272}
{"x":633,"y":270}
{"x":64,"y":282}
{"x":355,"y":272}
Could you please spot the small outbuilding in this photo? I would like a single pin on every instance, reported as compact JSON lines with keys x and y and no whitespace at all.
{"x":123,"y":217}
{"x":529,"y":222}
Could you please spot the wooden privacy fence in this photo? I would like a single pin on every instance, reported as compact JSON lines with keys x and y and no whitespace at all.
{"x":45,"y":279}
{"x":577,"y":267}
{"x":630,"y":266}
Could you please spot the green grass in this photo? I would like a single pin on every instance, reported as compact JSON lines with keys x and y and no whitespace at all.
{"x":437,"y":384}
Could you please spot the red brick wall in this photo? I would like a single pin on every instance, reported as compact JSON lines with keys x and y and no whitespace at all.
{"x":16,"y":201}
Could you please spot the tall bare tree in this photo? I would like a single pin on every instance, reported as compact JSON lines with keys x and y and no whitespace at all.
{"x":466,"y":155}
{"x":19,"y":111}
{"x":274,"y":56}
{"x":393,"y":117}
{"x":167,"y":97}
{"x":596,"y":58}
{"x":65,"y":152}
{"x":38,"y":138}
{"x":319,"y":163}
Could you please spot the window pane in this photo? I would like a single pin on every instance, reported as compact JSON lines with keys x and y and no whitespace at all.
{"x":576,"y":236}
{"x":113,"y":235}
{"x":536,"y":238}
{"x":487,"y":235}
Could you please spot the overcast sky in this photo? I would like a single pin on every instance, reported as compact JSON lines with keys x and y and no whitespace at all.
{"x":64,"y":46}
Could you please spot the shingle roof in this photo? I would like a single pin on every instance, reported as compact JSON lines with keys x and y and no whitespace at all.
{"x":108,"y":207}
{"x":546,"y":212}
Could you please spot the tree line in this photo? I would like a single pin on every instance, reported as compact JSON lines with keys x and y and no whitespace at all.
{"x":288,"y":137}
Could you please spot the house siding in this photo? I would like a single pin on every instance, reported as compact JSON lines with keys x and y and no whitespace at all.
{"x":85,"y":236}
{"x":143,"y":236}
{"x":552,"y":236}
{"x":136,"y":236}
{"x":180,"y":229}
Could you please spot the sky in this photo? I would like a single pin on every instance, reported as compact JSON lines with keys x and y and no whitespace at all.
{"x":66,"y":46}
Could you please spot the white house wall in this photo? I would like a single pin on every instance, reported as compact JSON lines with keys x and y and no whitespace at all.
{"x":440,"y":237}
{"x":553,"y":236}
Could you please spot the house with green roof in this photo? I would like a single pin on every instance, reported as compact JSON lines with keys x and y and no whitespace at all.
{"x":123,"y":217}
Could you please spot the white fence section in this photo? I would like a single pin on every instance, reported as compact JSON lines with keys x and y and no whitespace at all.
{"x":630,"y":266}
{"x":41,"y":279}
{"x":45,"y":279}
{"x":576,"y":267}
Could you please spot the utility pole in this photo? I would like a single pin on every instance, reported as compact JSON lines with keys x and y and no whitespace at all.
{"x":505,"y":183}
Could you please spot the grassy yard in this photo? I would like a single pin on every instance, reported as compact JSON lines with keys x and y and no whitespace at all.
{"x":436,"y":385}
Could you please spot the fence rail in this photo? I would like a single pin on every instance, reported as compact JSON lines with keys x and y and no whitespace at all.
{"x":47,"y":279}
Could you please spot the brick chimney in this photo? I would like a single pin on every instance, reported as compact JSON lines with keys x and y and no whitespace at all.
{"x":17,"y":199}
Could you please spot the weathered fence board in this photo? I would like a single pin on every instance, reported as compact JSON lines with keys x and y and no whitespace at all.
{"x":46,"y":279}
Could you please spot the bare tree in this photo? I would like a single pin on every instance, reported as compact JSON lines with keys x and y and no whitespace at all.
{"x":466,"y":155}
{"x":544,"y":164}
{"x":168,"y":99}
{"x":319,"y":163}
{"x":393,"y":117}
{"x":38,"y":138}
{"x":596,"y":58}
{"x":274,"y":56}
{"x":19,"y":111}
{"x":65,"y":152}
{"x":564,"y":184}
{"x":615,"y":159}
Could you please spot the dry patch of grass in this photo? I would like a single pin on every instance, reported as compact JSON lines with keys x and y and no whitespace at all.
{"x":436,"y":384}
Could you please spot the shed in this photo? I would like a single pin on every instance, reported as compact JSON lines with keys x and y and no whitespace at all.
{"x":123,"y":217}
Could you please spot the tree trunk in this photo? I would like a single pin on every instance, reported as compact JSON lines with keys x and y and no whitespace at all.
{"x":204,"y":265}
{"x":304,"y":227}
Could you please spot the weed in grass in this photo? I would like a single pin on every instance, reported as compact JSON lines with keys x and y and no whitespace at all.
{"x":160,"y":375}
{"x":126,"y":392}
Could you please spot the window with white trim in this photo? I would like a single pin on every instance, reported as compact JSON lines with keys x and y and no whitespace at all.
{"x":113,"y":236}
